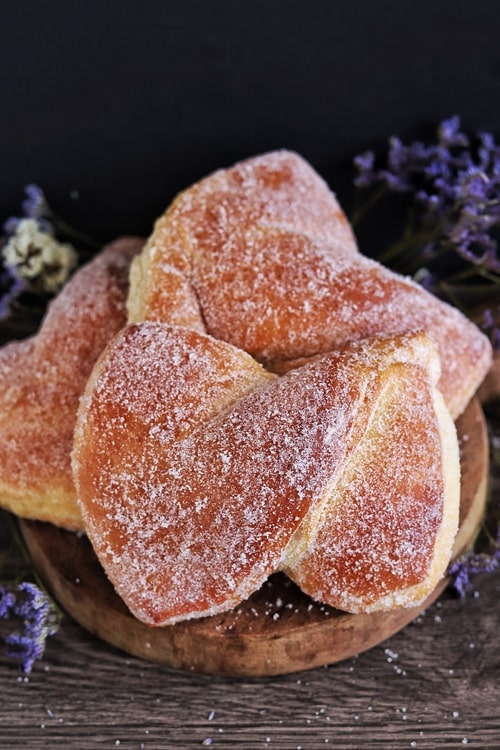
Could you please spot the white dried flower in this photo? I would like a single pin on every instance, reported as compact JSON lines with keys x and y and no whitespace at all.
{"x":38,"y":257}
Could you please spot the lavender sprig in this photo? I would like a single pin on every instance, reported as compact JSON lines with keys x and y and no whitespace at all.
{"x":36,"y":618}
{"x":453,"y":191}
{"x":28,"y":615}
{"x":449,"y":242}
{"x":471,"y":564}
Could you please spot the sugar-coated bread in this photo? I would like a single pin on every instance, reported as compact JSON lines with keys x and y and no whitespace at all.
{"x":261,"y":397}
{"x":199,"y":473}
{"x":385,"y":531}
{"x":198,"y":266}
{"x":41,"y":380}
{"x":261,"y":255}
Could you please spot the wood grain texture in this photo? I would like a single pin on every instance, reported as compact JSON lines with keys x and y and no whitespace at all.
{"x":436,"y":683}
{"x":277,"y":631}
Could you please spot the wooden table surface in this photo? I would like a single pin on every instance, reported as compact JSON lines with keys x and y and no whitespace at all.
{"x":434,"y":684}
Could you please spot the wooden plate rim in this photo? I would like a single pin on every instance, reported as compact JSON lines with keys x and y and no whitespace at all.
{"x":277,"y":631}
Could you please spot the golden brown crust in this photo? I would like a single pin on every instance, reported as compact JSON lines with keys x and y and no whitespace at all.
{"x":261,"y":255}
{"x":219,"y":215}
{"x":41,"y":380}
{"x":198,"y":471}
{"x":389,"y":521}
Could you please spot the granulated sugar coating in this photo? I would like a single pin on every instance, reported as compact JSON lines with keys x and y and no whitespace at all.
{"x":384,"y":538}
{"x":261,"y":255}
{"x":41,"y":380}
{"x":200,"y":474}
{"x":219,"y":213}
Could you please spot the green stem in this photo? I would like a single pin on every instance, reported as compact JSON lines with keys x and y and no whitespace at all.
{"x":489,"y":275}
{"x":406,"y":242}
{"x":17,"y":544}
{"x":360,"y":211}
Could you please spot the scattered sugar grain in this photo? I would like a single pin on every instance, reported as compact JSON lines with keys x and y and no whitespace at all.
{"x":391,"y":655}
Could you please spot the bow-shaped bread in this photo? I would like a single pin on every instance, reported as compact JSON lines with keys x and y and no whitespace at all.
{"x":42,"y":379}
{"x":276,"y":401}
{"x":200,"y":473}
{"x":260,"y":255}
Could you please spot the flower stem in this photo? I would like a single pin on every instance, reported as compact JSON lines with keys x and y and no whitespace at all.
{"x":361,"y":210}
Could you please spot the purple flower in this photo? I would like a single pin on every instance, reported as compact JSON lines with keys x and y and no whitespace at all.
{"x":473,"y":563}
{"x":30,"y":607}
{"x":488,"y":153}
{"x":470,"y":564}
{"x":453,"y":189}
{"x":7,"y":602}
{"x":365,"y":163}
{"x":10,"y":225}
{"x":34,"y":207}
{"x":490,"y":326}
{"x":449,"y":133}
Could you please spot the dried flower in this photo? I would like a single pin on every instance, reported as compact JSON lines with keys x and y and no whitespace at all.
{"x":449,"y":243}
{"x":453,"y":186}
{"x":470,"y":564}
{"x":35,"y":205}
{"x":31,"y":608}
{"x":28,"y":615}
{"x":37,"y":254}
{"x":36,"y":257}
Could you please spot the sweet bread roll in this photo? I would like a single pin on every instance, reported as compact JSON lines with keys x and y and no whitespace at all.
{"x":383,"y":540}
{"x":203,"y":238}
{"x":261,"y":255}
{"x":41,"y":380}
{"x":199,"y":473}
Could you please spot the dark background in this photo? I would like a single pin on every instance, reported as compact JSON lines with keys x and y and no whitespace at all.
{"x":128,"y":102}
